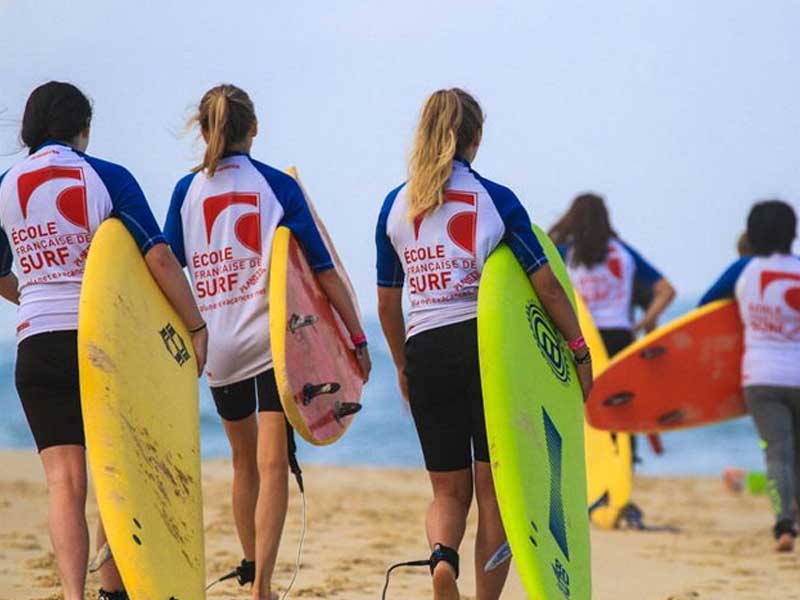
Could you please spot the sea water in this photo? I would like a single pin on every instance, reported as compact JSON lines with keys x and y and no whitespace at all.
{"x":383,"y":433}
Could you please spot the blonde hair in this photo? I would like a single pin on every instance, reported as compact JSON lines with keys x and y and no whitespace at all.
{"x":451,"y":122}
{"x":225,"y":116}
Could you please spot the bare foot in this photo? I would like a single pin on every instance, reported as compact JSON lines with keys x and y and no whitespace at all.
{"x":444,"y":583}
{"x":785,"y":543}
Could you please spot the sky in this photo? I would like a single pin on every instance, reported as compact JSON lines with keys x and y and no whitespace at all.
{"x":679,"y":113}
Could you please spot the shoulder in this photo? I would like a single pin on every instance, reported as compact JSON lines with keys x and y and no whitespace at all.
{"x":112,"y":174}
{"x":184,"y":183}
{"x":389,"y":201}
{"x":281,"y":183}
{"x":500,"y":194}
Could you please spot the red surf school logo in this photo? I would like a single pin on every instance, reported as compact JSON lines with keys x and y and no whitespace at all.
{"x":777,"y":289}
{"x":41,"y":242}
{"x":70,"y":202}
{"x":462,"y":226}
{"x":247,"y":227}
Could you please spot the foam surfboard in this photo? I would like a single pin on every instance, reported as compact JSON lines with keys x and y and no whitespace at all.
{"x":534,"y":423}
{"x":684,"y":374}
{"x":318,"y":377}
{"x":609,"y":470}
{"x":139,"y":396}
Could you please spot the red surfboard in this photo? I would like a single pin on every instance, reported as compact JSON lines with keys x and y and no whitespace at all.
{"x":685,"y":374}
{"x":318,"y":377}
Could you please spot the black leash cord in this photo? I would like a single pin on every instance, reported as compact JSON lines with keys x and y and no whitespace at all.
{"x":411,"y":563}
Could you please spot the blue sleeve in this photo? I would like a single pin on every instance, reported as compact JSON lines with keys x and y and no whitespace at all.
{"x":645,"y":274}
{"x":297,"y":216}
{"x":6,"y":257}
{"x":173,"y":226}
{"x":129,"y":203}
{"x":519,"y":234}
{"x":389,"y":267}
{"x":562,"y":250}
{"x":725,"y":286}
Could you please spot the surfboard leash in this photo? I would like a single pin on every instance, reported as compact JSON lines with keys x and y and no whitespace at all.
{"x":294,"y":466}
{"x":410,"y":563}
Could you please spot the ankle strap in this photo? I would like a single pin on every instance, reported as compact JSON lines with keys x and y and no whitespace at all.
{"x":446,"y":554}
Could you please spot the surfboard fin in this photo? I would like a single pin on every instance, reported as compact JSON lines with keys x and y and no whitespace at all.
{"x":312,"y":390}
{"x":297,"y":322}
{"x":501,"y":555}
{"x":102,"y":557}
{"x":344,"y":409}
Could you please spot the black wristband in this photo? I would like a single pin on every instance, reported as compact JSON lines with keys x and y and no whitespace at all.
{"x":585,"y":359}
{"x":198,"y":329}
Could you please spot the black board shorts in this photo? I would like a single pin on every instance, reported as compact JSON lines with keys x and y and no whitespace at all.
{"x":239,"y":400}
{"x":616,"y":340}
{"x":48,"y":385}
{"x":444,"y":388}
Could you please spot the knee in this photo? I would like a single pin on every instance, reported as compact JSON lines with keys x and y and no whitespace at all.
{"x":66,"y":482}
{"x":244,"y":460}
{"x":459,"y":494}
{"x":273,"y":466}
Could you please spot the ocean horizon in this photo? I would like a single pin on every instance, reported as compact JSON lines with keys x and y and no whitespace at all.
{"x":383,"y":435}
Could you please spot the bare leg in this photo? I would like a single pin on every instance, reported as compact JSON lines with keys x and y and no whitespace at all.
{"x":243,"y":437}
{"x":446,"y":522}
{"x":273,"y":498}
{"x":491,"y":536}
{"x":110,"y":579}
{"x":65,"y":470}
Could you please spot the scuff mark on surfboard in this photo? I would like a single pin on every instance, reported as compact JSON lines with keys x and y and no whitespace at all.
{"x":100,"y":359}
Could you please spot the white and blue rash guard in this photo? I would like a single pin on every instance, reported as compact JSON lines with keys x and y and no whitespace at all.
{"x":51,"y":204}
{"x":221,"y":228}
{"x":767,"y":291}
{"x":439,"y":258}
{"x":607,"y":288}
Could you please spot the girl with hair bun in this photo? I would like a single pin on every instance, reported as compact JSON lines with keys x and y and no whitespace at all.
{"x":433,"y":237}
{"x":228,"y":208}
{"x":51,"y":204}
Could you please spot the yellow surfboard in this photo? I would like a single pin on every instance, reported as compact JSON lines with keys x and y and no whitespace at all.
{"x":534,"y":424}
{"x":609,"y":470}
{"x":139,"y":395}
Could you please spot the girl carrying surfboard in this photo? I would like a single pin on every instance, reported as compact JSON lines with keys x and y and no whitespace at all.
{"x":766,"y":287}
{"x":609,"y":274}
{"x":611,"y":277}
{"x":221,"y":223}
{"x":51,"y":204}
{"x":433,"y":237}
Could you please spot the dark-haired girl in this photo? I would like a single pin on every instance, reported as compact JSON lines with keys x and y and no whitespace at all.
{"x":51,"y":204}
{"x":766,"y":286}
{"x":609,"y":274}
{"x":433,"y":237}
{"x":226,"y":211}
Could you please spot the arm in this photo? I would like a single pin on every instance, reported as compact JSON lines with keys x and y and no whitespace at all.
{"x":557,"y":304}
{"x":9,"y":288}
{"x":390,"y":312}
{"x":663,"y":295}
{"x":170,"y":278}
{"x":339,"y":297}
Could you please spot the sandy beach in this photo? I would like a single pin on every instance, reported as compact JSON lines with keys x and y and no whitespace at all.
{"x":361,"y":520}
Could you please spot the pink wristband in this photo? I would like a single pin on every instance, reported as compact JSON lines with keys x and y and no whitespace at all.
{"x":577,"y":344}
{"x":359,"y":339}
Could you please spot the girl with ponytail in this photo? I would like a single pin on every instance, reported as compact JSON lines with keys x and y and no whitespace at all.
{"x":225,"y":213}
{"x":433,"y":237}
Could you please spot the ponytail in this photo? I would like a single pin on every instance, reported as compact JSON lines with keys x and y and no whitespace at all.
{"x":451,"y":122}
{"x":226,"y":116}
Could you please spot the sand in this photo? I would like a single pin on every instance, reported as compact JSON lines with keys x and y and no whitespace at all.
{"x":361,"y":520}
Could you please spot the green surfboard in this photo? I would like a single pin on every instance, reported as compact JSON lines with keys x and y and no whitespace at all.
{"x":534,"y":422}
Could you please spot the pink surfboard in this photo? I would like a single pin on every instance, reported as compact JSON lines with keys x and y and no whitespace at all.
{"x":318,"y":377}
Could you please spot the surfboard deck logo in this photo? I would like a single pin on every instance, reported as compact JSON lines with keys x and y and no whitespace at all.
{"x":548,"y":341}
{"x":175,"y":344}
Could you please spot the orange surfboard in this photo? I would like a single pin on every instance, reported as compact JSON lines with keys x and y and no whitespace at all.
{"x":318,"y":377}
{"x":684,"y":374}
